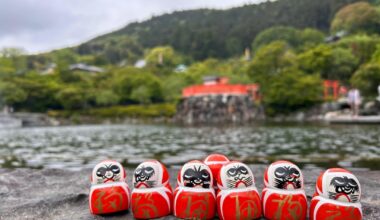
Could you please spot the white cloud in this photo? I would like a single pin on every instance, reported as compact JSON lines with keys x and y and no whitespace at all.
{"x":38,"y":25}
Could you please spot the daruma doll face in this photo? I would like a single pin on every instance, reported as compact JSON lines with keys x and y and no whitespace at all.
{"x":284,"y":175}
{"x":196,"y":174}
{"x":108,"y":171}
{"x":147,"y":175}
{"x":339,"y":184}
{"x":236,"y":175}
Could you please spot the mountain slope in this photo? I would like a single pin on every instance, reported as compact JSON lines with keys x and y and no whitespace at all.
{"x":223,"y":33}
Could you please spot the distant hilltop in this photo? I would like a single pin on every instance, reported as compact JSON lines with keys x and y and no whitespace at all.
{"x":205,"y":33}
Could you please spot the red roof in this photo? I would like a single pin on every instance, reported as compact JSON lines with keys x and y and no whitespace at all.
{"x":219,"y":89}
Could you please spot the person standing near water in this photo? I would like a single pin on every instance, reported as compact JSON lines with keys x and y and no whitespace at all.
{"x":354,"y":100}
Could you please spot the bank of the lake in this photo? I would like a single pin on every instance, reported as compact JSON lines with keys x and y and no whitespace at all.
{"x":62,"y":194}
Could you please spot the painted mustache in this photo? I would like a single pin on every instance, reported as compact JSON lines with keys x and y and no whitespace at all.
{"x":238,"y":175}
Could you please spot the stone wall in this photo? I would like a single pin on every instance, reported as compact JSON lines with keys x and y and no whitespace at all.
{"x":217,"y":109}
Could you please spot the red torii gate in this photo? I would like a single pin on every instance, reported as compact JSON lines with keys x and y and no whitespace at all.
{"x":332,"y":89}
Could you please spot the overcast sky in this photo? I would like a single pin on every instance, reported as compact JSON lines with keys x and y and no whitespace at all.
{"x":42,"y":25}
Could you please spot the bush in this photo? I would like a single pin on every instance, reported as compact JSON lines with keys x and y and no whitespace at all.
{"x":367,"y":79}
{"x":292,"y":90}
{"x":11,"y":94}
{"x":73,"y":98}
{"x":106,"y":98}
{"x":132,"y":111}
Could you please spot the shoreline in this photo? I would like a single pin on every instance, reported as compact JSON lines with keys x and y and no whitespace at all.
{"x":62,"y":194}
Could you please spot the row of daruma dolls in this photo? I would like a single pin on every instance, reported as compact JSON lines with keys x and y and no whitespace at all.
{"x":226,"y":187}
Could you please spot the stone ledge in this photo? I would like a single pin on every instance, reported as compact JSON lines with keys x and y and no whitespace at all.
{"x":63,"y":194}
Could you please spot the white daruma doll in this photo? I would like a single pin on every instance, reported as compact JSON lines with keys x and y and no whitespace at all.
{"x":284,"y":196}
{"x":152,"y":195}
{"x":337,"y":196}
{"x":194,"y":197}
{"x":238,"y":197}
{"x":109,"y":192}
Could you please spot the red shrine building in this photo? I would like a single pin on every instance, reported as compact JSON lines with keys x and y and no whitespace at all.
{"x":214,"y":85}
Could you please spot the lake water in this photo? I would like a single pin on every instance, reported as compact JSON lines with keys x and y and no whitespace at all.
{"x":77,"y":147}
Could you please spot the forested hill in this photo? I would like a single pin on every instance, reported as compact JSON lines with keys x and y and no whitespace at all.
{"x":224,"y":33}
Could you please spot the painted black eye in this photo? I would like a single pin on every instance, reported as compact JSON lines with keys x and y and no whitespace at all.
{"x":205,"y":175}
{"x":149,"y":170}
{"x":101,"y":172}
{"x":339,"y":181}
{"x":352,"y":183}
{"x":189,"y":173}
{"x":138,"y":171}
{"x":294,"y":171}
{"x":232,"y":172}
{"x":243,"y":170}
{"x":115,"y":169}
{"x":280,"y":172}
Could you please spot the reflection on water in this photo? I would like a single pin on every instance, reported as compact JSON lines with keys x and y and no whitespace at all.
{"x":77,"y":147}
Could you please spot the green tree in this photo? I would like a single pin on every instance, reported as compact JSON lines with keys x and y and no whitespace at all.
{"x":73,"y":98}
{"x":362,"y":46}
{"x":106,"y":98}
{"x":113,"y":50}
{"x":11,"y":94}
{"x":367,"y":79}
{"x":330,"y":63}
{"x":40,"y":91}
{"x":292,"y":90}
{"x":141,"y":94}
{"x":269,"y":61}
{"x":63,"y":58}
{"x":11,"y":52}
{"x":6,"y":66}
{"x":128,"y":81}
{"x":298,"y":39}
{"x":163,"y":57}
{"x":311,"y":37}
{"x":357,"y":17}
{"x":16,"y":59}
{"x":376,"y":55}
{"x":288,"y":34}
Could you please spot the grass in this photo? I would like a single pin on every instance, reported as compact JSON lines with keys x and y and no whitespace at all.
{"x":166,"y":110}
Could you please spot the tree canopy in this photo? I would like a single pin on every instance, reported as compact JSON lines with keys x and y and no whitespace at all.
{"x":357,"y":17}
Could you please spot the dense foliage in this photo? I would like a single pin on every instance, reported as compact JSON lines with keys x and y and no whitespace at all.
{"x":225,"y":33}
{"x":357,"y":17}
{"x":289,"y":59}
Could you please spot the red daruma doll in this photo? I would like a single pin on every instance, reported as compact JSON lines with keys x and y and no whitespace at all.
{"x":194,"y":198}
{"x":152,"y":195}
{"x":238,"y":197}
{"x":283,"y":196}
{"x":109,"y":192}
{"x":337,"y":196}
{"x":215,"y":162}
